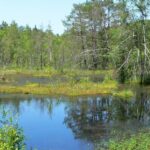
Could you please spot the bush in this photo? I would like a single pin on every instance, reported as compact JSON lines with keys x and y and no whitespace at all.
{"x":140,"y":141}
{"x":11,"y":136}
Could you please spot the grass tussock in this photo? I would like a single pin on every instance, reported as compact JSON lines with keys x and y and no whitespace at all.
{"x":125,"y":94}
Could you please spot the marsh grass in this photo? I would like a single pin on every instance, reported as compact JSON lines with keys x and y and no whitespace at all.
{"x":36,"y":73}
{"x":69,"y":89}
{"x":125,"y":94}
{"x":78,"y":83}
{"x":53,"y":71}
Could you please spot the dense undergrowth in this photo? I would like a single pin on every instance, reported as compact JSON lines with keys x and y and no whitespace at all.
{"x":140,"y":141}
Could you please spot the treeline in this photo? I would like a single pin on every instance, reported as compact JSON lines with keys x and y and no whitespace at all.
{"x":100,"y":34}
{"x":24,"y":47}
{"x":31,"y":48}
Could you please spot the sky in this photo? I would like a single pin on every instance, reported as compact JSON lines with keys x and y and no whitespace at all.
{"x":37,"y":12}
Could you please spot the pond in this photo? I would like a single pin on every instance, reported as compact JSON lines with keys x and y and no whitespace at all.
{"x":62,"y":123}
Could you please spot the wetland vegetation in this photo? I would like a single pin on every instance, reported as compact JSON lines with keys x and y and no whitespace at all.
{"x":70,"y":83}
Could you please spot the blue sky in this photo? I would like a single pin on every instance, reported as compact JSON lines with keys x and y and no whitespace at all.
{"x":37,"y":12}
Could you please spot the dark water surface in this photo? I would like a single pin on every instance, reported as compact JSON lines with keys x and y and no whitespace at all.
{"x":77,"y":123}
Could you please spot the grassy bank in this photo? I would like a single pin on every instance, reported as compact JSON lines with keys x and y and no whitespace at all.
{"x":73,"y":83}
{"x":62,"y":89}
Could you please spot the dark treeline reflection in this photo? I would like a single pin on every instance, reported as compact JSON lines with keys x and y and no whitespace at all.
{"x":16,"y":103}
{"x":100,"y":116}
{"x":92,"y":117}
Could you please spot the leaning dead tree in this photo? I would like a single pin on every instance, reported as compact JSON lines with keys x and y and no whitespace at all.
{"x":137,"y":57}
{"x":142,"y":7}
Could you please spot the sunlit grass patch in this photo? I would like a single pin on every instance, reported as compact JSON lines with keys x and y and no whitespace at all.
{"x":32,"y":85}
{"x":36,"y":73}
{"x":124,"y":94}
{"x":84,"y":88}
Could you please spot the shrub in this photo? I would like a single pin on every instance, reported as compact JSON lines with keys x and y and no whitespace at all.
{"x":11,"y":136}
{"x":140,"y":141}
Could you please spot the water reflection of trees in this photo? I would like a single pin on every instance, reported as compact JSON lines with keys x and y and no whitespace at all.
{"x":88,"y":118}
{"x":94,"y":118}
{"x":16,"y":103}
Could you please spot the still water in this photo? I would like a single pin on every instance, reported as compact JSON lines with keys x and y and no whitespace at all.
{"x":61,"y":123}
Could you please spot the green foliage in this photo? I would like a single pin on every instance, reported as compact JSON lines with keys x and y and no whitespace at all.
{"x":140,"y":141}
{"x":11,"y":136}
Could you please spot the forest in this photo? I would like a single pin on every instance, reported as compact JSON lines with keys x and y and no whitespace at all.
{"x":99,"y":35}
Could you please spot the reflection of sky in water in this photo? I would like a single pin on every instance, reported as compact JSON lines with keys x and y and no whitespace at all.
{"x":48,"y":132}
{"x":60,"y":124}
{"x":44,"y":129}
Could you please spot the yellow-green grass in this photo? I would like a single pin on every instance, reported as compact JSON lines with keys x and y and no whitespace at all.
{"x":125,"y":94}
{"x":71,"y":88}
{"x":87,"y":72}
{"x":40,"y":73}
{"x":68,"y":89}
{"x":51,"y":71}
